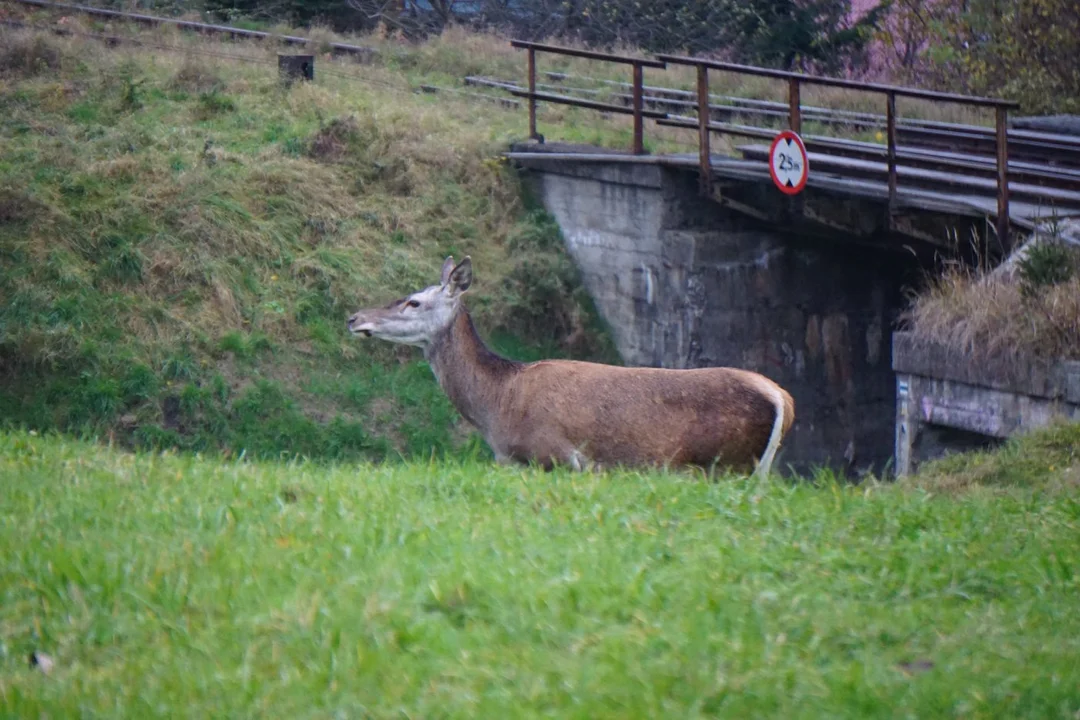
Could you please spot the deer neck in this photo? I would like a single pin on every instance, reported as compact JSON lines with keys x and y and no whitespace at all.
{"x":471,"y":375}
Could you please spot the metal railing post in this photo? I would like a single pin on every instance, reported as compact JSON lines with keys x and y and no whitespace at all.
{"x":890,"y":133}
{"x":532,"y":92}
{"x":794,"y":106}
{"x":1002,"y":142}
{"x":703,"y":129}
{"x":639,"y":139}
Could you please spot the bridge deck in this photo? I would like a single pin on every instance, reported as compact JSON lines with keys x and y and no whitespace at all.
{"x":919,"y":188}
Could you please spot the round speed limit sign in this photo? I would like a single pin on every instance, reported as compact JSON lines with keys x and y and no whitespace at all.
{"x":788,"y":165}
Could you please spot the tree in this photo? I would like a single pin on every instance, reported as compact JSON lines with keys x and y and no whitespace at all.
{"x":804,"y":34}
{"x":781,"y":33}
{"x":1025,"y":50}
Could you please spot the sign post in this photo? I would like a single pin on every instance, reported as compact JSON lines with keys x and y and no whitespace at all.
{"x":788,"y":164}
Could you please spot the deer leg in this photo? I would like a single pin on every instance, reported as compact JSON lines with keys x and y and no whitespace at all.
{"x":579,"y":462}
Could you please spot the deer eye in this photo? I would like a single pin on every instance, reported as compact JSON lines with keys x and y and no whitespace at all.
{"x":413,"y":303}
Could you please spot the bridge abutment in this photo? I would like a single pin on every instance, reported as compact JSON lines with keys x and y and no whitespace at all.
{"x":685,"y":282}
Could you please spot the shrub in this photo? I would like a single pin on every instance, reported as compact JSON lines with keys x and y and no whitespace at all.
{"x":989,"y":315}
{"x":1045,"y":264}
{"x":1025,"y":51}
{"x":333,"y":142}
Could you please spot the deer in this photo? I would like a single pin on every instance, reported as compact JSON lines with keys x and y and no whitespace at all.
{"x":584,"y":415}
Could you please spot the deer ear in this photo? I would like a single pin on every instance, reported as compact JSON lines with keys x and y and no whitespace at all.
{"x":447,"y":266}
{"x":461,"y":276}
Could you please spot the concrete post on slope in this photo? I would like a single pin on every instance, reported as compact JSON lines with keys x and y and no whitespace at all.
{"x":296,"y":67}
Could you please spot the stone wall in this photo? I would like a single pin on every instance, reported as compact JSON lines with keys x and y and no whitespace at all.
{"x":684,"y":282}
{"x":948,"y":402}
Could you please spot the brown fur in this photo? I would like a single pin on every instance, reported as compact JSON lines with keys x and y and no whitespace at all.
{"x":559,"y":411}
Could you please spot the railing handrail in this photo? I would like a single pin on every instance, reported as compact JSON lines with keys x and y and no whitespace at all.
{"x":590,"y":54}
{"x":898,"y":90}
{"x":795,"y":81}
{"x":638,"y":65}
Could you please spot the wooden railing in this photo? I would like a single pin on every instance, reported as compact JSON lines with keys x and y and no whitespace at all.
{"x":891,"y":92}
{"x":795,"y":82}
{"x":637,"y":106}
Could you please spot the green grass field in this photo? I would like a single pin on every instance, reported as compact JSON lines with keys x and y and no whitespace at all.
{"x":181,"y":239}
{"x":165,"y":585}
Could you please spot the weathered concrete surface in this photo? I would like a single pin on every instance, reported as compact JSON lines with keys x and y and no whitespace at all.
{"x":684,"y":282}
{"x":940,"y":390}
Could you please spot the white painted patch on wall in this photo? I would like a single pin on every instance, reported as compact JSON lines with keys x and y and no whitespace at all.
{"x":592,"y":238}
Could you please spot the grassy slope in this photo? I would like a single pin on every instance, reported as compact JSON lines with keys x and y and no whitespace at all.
{"x":175,"y":585}
{"x":181,"y":240}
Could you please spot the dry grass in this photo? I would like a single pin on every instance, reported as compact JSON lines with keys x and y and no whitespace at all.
{"x":999,"y":316}
{"x":196,"y":75}
{"x":332,"y":143}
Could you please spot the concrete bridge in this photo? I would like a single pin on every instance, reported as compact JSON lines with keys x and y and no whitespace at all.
{"x":698,"y":259}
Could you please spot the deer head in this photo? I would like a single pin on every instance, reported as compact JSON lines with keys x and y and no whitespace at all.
{"x":418,"y":318}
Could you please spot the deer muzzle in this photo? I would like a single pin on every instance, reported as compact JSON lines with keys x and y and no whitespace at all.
{"x":358,"y":325}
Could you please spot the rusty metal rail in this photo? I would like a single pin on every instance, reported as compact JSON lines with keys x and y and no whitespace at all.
{"x":891,"y":92}
{"x":700,"y":99}
{"x":637,"y":106}
{"x":1051,"y":149}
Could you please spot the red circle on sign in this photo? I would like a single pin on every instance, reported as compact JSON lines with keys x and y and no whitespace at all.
{"x":792,"y":139}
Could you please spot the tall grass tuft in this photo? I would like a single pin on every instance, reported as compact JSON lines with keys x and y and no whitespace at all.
{"x":1032,"y":311}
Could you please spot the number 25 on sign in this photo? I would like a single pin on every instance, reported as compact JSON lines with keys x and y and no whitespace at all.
{"x":788,"y":164}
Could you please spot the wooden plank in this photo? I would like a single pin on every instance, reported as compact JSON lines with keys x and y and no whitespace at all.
{"x":1067,"y":153}
{"x":504,"y":101}
{"x":853,"y":116}
{"x":755,"y":171}
{"x":728,"y":128}
{"x":1052,"y":184}
{"x":865,"y":168}
{"x":589,"y":104}
{"x":979,"y":166}
{"x":972,"y":162}
{"x":1065,"y":148}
